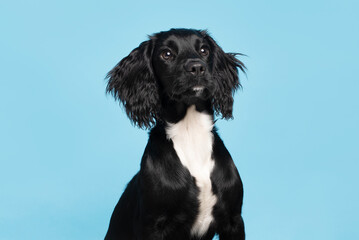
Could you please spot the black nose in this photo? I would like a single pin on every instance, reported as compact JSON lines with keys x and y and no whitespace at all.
{"x":195,"y":67}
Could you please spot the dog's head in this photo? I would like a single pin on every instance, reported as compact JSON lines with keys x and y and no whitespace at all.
{"x":183,"y":65}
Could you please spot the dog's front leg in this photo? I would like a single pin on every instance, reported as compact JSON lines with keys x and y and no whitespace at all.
{"x":235,"y":231}
{"x":228,"y":185}
{"x":163,"y":228}
{"x":168,"y":193}
{"x":163,"y":223}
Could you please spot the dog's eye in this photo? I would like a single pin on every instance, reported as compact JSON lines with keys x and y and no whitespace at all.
{"x":204,"y":51}
{"x":167,"y":55}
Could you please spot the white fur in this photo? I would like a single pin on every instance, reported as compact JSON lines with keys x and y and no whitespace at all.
{"x":193,"y":139}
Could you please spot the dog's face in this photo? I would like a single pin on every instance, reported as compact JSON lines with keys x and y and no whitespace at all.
{"x":182,"y":62}
{"x":185,"y":65}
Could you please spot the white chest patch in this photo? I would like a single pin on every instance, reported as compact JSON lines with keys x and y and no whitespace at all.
{"x":193,"y":139}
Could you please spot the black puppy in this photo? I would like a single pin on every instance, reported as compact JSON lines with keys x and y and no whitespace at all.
{"x":188,"y":186}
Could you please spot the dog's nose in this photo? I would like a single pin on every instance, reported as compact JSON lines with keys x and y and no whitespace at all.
{"x":196,"y":68}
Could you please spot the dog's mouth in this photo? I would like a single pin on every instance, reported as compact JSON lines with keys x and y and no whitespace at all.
{"x":198,"y":90}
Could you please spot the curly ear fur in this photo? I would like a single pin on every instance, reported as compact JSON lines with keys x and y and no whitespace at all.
{"x":225,"y":74}
{"x":133,"y":83}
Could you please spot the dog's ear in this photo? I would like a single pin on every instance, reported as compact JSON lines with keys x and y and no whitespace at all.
{"x":225,"y":74}
{"x":133,"y":83}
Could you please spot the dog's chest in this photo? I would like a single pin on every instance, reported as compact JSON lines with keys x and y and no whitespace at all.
{"x":193,"y":139}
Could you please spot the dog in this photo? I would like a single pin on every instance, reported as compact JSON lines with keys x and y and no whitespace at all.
{"x":188,"y":187}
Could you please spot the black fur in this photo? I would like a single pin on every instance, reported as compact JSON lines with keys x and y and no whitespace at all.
{"x":155,"y":83}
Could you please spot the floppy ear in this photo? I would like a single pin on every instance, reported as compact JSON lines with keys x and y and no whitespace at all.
{"x":225,"y":74}
{"x":133,"y":83}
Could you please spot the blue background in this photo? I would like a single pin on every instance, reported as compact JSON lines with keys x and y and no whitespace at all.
{"x":67,"y":150}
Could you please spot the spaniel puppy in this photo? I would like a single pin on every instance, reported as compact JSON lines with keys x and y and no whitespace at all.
{"x":188,"y":186}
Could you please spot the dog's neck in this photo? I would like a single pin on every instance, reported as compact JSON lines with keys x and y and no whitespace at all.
{"x":174,"y":111}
